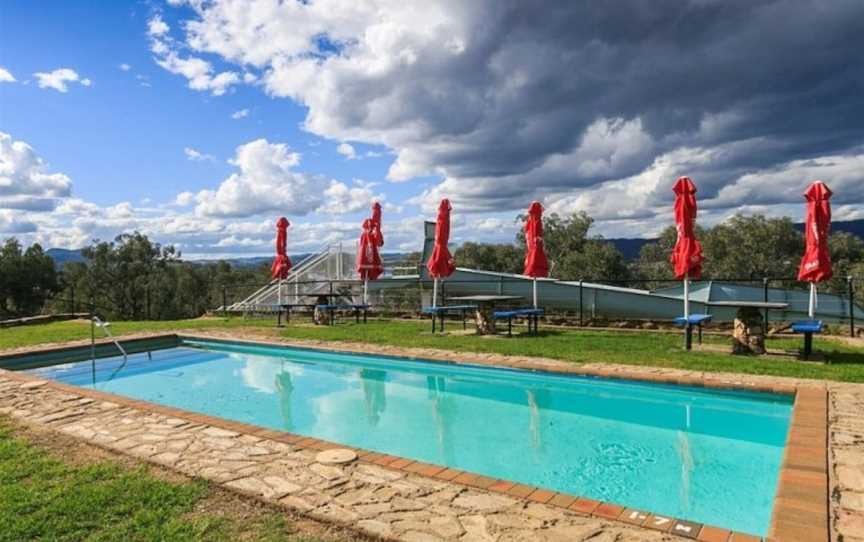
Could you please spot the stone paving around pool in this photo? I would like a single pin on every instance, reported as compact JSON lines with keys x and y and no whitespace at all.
{"x":395,"y":504}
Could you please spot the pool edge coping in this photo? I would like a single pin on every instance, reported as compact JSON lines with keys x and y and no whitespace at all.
{"x":801,"y":502}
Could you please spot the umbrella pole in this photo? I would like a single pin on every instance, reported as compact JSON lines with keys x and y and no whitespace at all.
{"x":279,"y":296}
{"x":535,"y":292}
{"x":434,"y":292}
{"x":686,"y":296}
{"x":811,"y":311}
{"x":688,"y":330}
{"x":365,"y":291}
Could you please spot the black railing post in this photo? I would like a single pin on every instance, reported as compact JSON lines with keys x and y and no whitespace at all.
{"x":92,"y":329}
{"x":765,"y":299}
{"x":580,"y":303}
{"x":851,"y":306}
{"x":224,"y":301}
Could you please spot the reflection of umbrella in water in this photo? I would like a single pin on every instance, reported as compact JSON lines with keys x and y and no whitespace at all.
{"x":686,"y":459}
{"x":374,"y":393}
{"x":537,"y":399}
{"x":441,"y":407}
{"x":286,"y":388}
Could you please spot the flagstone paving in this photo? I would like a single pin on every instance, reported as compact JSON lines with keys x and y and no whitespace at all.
{"x":395,"y":504}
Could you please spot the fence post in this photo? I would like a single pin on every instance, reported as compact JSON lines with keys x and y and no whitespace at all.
{"x":580,"y":303}
{"x":765,"y":299}
{"x":851,"y":306}
{"x":224,"y":301}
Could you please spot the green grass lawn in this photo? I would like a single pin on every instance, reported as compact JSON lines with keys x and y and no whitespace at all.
{"x":75,"y":330}
{"x":846,"y":362}
{"x":581,"y":346}
{"x":44,"y":498}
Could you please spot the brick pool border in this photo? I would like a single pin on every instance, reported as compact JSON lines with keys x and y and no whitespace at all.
{"x":801,"y":506}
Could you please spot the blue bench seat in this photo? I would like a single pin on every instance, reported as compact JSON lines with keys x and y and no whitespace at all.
{"x":688,"y":322}
{"x":448,"y":308}
{"x":514,"y":313}
{"x":808,"y":328}
{"x":693,"y":320}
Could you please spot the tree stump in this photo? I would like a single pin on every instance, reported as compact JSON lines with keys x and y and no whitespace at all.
{"x":748,"y":336}
{"x":320,"y":316}
{"x":485,"y":320}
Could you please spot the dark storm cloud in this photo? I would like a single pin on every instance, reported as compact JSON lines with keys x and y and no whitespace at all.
{"x":509,"y":101}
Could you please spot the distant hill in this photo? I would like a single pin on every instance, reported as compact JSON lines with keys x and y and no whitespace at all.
{"x":630,"y":247}
{"x":63,"y":256}
{"x":855,"y":227}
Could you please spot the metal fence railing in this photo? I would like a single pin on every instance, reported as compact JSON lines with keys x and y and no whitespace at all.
{"x":581,"y":302}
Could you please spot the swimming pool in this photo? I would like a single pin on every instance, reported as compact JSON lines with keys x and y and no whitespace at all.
{"x":709,"y":456}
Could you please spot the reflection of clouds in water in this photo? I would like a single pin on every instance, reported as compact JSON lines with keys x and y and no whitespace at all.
{"x":260,"y":372}
{"x":374,"y":393}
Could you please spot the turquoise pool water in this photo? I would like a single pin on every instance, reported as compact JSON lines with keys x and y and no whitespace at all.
{"x":702,"y":455}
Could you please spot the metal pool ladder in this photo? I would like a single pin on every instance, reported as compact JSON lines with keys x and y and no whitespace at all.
{"x":105,"y":328}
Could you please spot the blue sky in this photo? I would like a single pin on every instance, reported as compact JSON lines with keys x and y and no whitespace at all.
{"x":478,"y":103}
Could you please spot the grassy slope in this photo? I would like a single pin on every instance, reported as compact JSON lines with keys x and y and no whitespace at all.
{"x":642,"y":348}
{"x":43,"y":498}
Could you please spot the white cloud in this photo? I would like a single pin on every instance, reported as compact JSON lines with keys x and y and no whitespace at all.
{"x":234,"y":241}
{"x":6,"y":76}
{"x":184,"y":199}
{"x":346,"y":150}
{"x":125,"y":67}
{"x":157,"y":27}
{"x":199,"y":73}
{"x":25,"y":180}
{"x":341,"y":198}
{"x":265,"y":182}
{"x":198,"y":156}
{"x":241,"y":114}
{"x":59,"y":79}
{"x":12,"y":223}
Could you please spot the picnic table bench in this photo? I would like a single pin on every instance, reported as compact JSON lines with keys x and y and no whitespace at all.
{"x":485,"y":308}
{"x":533,"y":315}
{"x":690,"y":321}
{"x":332,"y":308}
{"x":808,"y":328}
{"x":438,"y":312}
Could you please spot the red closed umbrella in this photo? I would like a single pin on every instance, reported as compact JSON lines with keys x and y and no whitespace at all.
{"x":441,"y":264}
{"x":369,"y":264}
{"x":687,"y":254}
{"x":281,"y":263}
{"x":536,"y":264}
{"x":376,"y":220}
{"x":816,"y":263}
